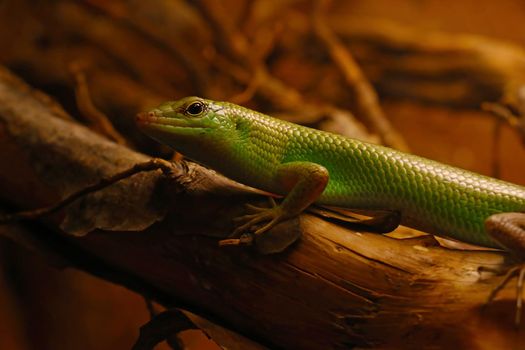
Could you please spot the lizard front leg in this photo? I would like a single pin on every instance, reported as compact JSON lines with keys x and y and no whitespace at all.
{"x":302,"y":181}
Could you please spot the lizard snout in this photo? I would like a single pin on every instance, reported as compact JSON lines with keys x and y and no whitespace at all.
{"x":145,"y":118}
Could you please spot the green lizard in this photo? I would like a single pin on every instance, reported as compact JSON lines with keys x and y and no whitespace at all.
{"x":309,"y":166}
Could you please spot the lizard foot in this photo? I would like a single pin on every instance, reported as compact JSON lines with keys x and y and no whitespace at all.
{"x":267,"y":216}
{"x":516,"y":271}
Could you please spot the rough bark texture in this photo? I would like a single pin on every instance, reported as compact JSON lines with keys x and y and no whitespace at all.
{"x":334,"y":288}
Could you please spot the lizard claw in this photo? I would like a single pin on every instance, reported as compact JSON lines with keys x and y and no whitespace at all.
{"x":242,"y":240}
{"x":516,"y":271}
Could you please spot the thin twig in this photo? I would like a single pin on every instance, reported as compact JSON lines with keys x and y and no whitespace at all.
{"x":228,"y":39}
{"x":365,"y":95}
{"x":250,"y":90}
{"x":99,"y":122}
{"x":153,"y":164}
{"x":263,"y":45}
{"x":502,"y":114}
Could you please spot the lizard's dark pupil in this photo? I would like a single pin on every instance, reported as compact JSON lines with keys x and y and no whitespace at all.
{"x":195,"y":108}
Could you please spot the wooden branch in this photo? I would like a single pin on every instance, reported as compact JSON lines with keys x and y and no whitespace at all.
{"x":365,"y":95}
{"x":334,"y":288}
{"x":452,"y":69}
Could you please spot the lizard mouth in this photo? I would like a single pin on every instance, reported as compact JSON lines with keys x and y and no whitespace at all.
{"x":151,"y":121}
{"x":146,"y":119}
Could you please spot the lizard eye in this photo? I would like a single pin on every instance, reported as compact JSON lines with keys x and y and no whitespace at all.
{"x":194,"y":109}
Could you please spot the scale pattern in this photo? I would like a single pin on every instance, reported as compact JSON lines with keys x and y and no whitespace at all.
{"x":442,"y":199}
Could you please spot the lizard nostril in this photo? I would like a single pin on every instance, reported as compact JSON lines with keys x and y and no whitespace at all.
{"x":144,"y":117}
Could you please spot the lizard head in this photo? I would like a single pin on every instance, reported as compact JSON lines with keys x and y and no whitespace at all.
{"x":193,"y":126}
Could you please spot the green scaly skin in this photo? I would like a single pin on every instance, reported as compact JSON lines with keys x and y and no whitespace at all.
{"x":275,"y":155}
